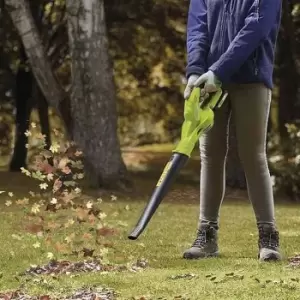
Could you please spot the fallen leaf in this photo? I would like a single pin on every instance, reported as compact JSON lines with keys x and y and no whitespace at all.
{"x":27,"y":133}
{"x":54,"y":147}
{"x":80,"y":176}
{"x":52,"y":225}
{"x":113,"y":198}
{"x":46,"y":153}
{"x":87,"y":236}
{"x":82,"y":214}
{"x":294,"y":261}
{"x":183,"y":276}
{"x":44,"y":297}
{"x":88,"y":252}
{"x":51,"y":207}
{"x":53,"y":201}
{"x":34,"y":228}
{"x":8,"y":203}
{"x":48,"y":169}
{"x":50,"y":255}
{"x":69,"y":223}
{"x":105,"y":231}
{"x":57,"y":185}
{"x":43,"y":186}
{"x":35,"y":208}
{"x":60,"y":247}
{"x":77,"y":190}
{"x":25,"y":171}
{"x":89,"y":205}
{"x":50,"y":176}
{"x":102,"y":216}
{"x":23,"y":201}
{"x":37,"y":245}
{"x":78,"y":153}
{"x":16,"y":237}
{"x":69,"y":183}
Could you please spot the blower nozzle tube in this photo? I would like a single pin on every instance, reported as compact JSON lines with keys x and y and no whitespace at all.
{"x":172,"y":168}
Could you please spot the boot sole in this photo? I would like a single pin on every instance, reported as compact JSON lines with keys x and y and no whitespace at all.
{"x":206,"y":255}
{"x":272,"y":257}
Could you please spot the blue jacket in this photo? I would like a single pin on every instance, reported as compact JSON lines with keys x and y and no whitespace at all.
{"x":235,"y":39}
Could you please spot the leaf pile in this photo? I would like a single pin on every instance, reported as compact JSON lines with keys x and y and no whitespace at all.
{"x":82,"y":294}
{"x":55,"y":267}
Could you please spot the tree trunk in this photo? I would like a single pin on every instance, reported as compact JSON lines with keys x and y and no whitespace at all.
{"x":23,"y":98}
{"x":21,"y":16}
{"x":235,"y":176}
{"x":93,"y":100}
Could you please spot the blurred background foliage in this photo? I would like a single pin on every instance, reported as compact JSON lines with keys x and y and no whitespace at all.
{"x":147,"y":47}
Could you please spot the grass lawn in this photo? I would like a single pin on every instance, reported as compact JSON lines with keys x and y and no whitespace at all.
{"x":171,"y":231}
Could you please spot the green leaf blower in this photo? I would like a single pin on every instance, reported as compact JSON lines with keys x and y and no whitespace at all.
{"x":198,"y":119}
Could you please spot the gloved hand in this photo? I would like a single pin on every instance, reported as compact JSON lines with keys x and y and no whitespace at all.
{"x":210,"y":81}
{"x":211,"y":84}
{"x":190,"y":85}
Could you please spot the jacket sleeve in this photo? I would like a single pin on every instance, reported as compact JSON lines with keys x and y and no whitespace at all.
{"x":261,"y":18}
{"x":197,"y":38}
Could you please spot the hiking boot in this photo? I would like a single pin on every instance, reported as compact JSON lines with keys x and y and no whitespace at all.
{"x":268,"y":243}
{"x":205,"y":244}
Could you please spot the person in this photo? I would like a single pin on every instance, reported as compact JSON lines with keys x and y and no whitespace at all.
{"x":231,"y":44}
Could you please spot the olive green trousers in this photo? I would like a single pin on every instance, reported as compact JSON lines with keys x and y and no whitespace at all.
{"x":248,"y":105}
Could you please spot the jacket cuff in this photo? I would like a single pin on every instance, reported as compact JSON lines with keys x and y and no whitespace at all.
{"x":194,"y":71}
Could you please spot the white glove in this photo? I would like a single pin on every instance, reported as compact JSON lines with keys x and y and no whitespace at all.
{"x":210,"y":81}
{"x":190,"y":85}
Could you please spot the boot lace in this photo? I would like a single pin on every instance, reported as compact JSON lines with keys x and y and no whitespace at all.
{"x":268,"y":239}
{"x":203,"y":236}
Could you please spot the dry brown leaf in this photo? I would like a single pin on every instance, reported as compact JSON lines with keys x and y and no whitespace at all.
{"x":105,"y":231}
{"x":34,"y":228}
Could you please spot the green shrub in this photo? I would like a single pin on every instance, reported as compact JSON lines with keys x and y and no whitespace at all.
{"x":285,"y":164}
